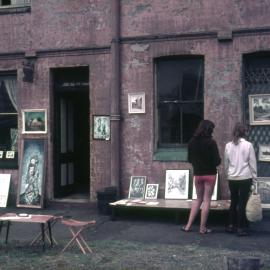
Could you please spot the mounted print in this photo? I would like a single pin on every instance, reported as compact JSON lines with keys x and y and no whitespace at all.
{"x":32,"y":174}
{"x":264,"y":152}
{"x":259,"y":109}
{"x":137,"y":187}
{"x":214,"y":195}
{"x":34,"y":121}
{"x":136,"y":103}
{"x":102,"y":127}
{"x":263,"y":188}
{"x":177,"y":183}
{"x":4,"y":190}
{"x":151,"y":191}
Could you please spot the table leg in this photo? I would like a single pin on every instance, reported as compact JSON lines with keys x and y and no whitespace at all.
{"x":43,"y":235}
{"x":50,"y":232}
{"x":1,"y":225}
{"x":8,"y":224}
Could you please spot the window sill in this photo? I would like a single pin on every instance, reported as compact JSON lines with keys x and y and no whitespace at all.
{"x":171,"y":154}
{"x":14,"y":9}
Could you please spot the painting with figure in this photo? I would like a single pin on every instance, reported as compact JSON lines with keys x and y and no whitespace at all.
{"x":137,"y":187}
{"x":177,"y":183}
{"x":30,"y":193}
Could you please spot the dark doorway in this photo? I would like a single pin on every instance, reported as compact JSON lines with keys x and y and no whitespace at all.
{"x":71,"y":132}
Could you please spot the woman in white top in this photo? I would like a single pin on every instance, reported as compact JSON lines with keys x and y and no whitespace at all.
{"x":240,"y":167}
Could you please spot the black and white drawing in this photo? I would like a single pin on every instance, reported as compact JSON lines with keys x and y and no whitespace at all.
{"x":151,"y":191}
{"x":264,"y":152}
{"x":263,"y":188}
{"x":177,"y":183}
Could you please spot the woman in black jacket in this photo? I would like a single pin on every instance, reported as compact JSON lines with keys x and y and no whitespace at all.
{"x":204,"y":156}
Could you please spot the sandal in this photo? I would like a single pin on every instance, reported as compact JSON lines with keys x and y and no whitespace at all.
{"x":206,"y":231}
{"x":183,"y":229}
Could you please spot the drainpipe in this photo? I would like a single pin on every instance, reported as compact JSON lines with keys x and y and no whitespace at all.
{"x":115,"y":95}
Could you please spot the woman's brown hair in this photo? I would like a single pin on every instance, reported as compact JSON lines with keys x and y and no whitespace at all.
{"x":239,"y":131}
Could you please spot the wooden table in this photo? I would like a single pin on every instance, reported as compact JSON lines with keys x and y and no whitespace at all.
{"x":163,"y":204}
{"x":43,"y":220}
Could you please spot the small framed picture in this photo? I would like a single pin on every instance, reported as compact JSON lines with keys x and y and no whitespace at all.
{"x":102,"y":127}
{"x":151,"y":191}
{"x":136,"y":103}
{"x":34,"y":121}
{"x":263,"y":188}
{"x":259,"y":109}
{"x":177,"y":183}
{"x":214,"y":195}
{"x":10,"y":154}
{"x":264,"y":152}
{"x":137,"y":187}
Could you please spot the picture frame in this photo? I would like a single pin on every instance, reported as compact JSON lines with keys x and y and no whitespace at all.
{"x":264,"y":152}
{"x":215,"y":192}
{"x":136,"y":103}
{"x":151,"y":191}
{"x":137,"y":187}
{"x":4,"y":184}
{"x":30,"y":191}
{"x":259,"y":109}
{"x":176,"y":184}
{"x":101,"y":127}
{"x":263,"y":188}
{"x":34,"y":121}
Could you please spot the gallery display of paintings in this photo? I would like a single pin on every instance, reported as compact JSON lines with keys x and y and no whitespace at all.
{"x":177,"y":186}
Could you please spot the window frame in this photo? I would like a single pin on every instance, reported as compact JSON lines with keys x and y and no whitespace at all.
{"x":173,"y":151}
{"x":10,"y":163}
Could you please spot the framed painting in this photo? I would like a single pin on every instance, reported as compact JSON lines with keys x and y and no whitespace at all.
{"x":137,"y":187}
{"x":151,"y":191}
{"x":264,"y":152}
{"x":214,"y":195}
{"x":263,"y":188}
{"x":136,"y":103}
{"x":102,"y":127}
{"x":34,"y":121}
{"x":259,"y":109}
{"x":176,"y":184}
{"x":32,"y":174}
{"x":4,"y":184}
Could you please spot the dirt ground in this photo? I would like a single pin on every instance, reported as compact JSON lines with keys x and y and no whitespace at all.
{"x":134,"y":241}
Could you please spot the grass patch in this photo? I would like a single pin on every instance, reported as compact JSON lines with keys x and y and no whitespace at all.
{"x":119,"y":255}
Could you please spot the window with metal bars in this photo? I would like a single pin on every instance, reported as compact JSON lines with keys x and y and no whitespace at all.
{"x":179,"y":83}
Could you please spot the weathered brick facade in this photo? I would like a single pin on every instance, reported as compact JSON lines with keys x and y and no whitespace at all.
{"x":70,"y":33}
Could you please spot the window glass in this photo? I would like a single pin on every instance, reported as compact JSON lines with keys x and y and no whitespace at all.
{"x":179,"y":99}
{"x":8,"y":122}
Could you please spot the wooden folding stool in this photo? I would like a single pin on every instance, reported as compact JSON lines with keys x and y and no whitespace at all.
{"x":76,"y":227}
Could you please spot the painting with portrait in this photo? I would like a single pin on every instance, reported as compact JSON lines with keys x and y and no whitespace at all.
{"x":177,"y":183}
{"x":31,"y":182}
{"x":137,"y":187}
{"x":102,"y":128}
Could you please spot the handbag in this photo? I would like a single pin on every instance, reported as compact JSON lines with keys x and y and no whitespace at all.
{"x":254,"y":207}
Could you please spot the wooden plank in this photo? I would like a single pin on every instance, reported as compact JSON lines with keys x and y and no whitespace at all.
{"x":166,"y":204}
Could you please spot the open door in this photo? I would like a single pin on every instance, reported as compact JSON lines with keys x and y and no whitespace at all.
{"x":71,"y":133}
